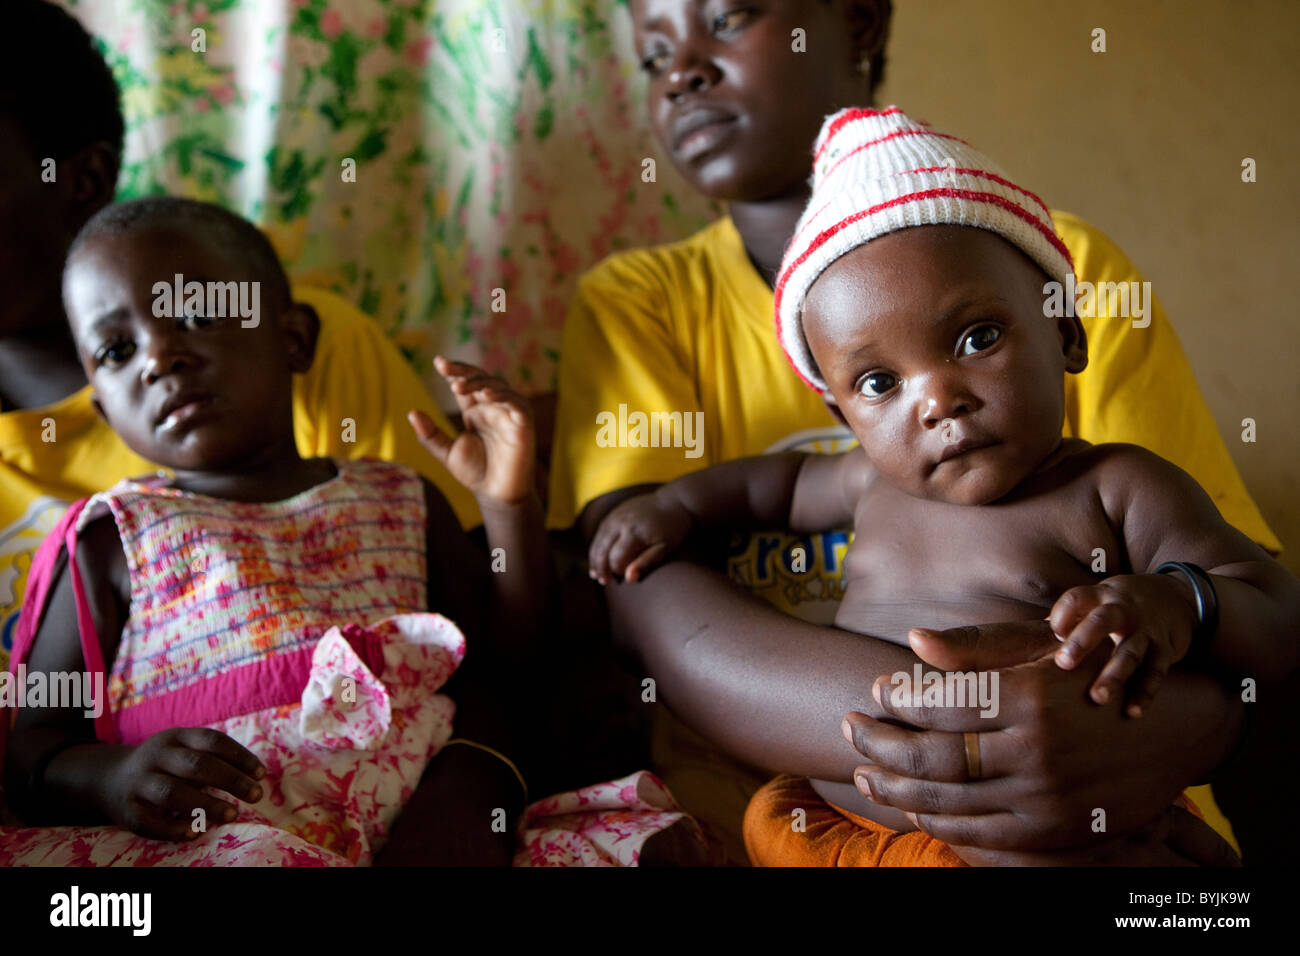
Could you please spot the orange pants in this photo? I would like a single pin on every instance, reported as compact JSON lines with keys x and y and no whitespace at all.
{"x":830,"y":837}
{"x":835,"y":837}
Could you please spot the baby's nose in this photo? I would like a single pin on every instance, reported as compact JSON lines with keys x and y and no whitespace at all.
{"x":941,"y":403}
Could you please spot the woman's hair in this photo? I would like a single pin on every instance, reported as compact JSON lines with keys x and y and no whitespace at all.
{"x":54,"y":83}
{"x":877,"y":75}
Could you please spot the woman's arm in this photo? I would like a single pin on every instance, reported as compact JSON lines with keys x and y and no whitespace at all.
{"x":774,"y":690}
{"x":766,"y":687}
{"x":494,"y":458}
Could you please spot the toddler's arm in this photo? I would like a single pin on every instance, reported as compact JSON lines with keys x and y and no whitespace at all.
{"x":1163,"y":515}
{"x":494,"y":458}
{"x":57,"y":772}
{"x":794,"y":490}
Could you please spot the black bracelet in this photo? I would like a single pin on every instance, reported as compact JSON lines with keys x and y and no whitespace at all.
{"x":1207,"y":601}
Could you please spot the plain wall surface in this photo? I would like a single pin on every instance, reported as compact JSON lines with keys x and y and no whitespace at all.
{"x":1146,"y":141}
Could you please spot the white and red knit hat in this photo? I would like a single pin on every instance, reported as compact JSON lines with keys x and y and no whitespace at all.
{"x":876,"y":172}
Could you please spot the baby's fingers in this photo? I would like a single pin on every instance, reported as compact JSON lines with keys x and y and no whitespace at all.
{"x":598,"y":551}
{"x":1153,"y":675}
{"x":1072,"y":607}
{"x":627,"y":549}
{"x":600,"y":557}
{"x":1128,"y":655}
{"x":649,"y":558}
{"x":1100,"y":623}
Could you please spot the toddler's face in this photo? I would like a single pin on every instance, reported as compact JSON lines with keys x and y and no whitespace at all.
{"x":192,"y":390}
{"x":936,"y":350}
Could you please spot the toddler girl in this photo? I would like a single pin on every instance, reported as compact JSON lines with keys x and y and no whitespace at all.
{"x":254,"y":623}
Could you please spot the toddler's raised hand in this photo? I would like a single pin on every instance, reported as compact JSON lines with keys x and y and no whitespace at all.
{"x":1150,"y":618}
{"x":154,"y":788}
{"x":493,"y":456}
{"x":637,"y":535}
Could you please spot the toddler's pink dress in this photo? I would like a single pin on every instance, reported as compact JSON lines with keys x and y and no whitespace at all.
{"x":234,"y":625}
{"x":240,"y":620}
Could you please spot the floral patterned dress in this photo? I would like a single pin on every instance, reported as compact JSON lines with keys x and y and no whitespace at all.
{"x":239,"y":621}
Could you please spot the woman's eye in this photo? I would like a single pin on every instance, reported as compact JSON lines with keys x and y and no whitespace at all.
{"x":114,"y":354}
{"x":875,"y":384}
{"x":194,"y":321}
{"x":978,"y":339}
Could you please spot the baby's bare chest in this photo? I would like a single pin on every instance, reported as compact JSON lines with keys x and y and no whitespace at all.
{"x":917,"y":563}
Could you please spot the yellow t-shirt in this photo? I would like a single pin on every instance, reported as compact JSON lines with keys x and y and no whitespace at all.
{"x":688,"y":327}
{"x":52,"y":456}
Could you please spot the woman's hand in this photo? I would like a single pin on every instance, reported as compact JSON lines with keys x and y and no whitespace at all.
{"x":1176,"y":838}
{"x":1049,"y":759}
{"x":494,"y":456}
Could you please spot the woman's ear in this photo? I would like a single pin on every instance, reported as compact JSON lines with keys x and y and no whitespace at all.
{"x":90,"y":176}
{"x":868,"y":22}
{"x":300,"y":325}
{"x":1074,"y":343}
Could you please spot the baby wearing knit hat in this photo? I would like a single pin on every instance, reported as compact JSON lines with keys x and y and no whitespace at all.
{"x":912,"y":296}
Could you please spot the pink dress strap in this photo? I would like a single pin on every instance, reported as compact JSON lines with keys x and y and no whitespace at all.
{"x":92,"y":652}
{"x":40,"y":581}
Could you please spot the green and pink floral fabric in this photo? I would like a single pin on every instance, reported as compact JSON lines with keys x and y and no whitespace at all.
{"x":496,"y":146}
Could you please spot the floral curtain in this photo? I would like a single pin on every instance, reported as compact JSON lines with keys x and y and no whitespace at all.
{"x":450,"y":166}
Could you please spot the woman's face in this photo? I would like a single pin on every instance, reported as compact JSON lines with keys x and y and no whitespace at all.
{"x":738,"y":91}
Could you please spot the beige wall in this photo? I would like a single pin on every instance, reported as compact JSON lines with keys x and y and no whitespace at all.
{"x":1146,"y":141}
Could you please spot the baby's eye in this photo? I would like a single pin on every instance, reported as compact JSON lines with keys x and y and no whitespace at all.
{"x":113,"y":354}
{"x":978,"y":339}
{"x":876,"y":384}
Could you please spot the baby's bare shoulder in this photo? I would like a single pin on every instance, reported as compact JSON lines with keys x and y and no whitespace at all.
{"x":1122,"y":471}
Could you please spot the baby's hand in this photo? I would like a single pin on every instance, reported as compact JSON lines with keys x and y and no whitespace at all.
{"x":635,"y":536}
{"x":1150,"y":617}
{"x":156,"y":787}
{"x":493,"y":456}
